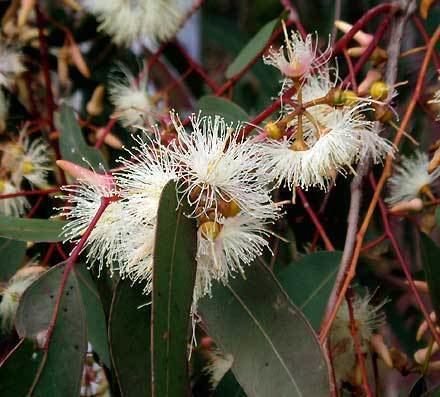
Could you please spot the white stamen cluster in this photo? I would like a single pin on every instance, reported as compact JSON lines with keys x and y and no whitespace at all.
{"x":130,"y":96}
{"x":299,"y":57}
{"x":22,"y":160}
{"x":410,"y":177}
{"x":127,"y":21}
{"x":11,"y":65}
{"x":331,"y":136}
{"x":215,"y":170}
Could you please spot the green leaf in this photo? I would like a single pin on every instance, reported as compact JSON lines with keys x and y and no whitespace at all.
{"x":96,"y":322}
{"x":434,"y":392}
{"x":231,"y":112}
{"x":37,"y":230}
{"x":276,"y":352}
{"x":129,"y":327}
{"x":61,"y":368}
{"x":174,"y":272}
{"x":18,"y":369}
{"x":309,"y":282}
{"x":73,"y":147}
{"x":12,"y":253}
{"x":229,"y":387}
{"x":252,"y":49}
{"x":430,"y":256}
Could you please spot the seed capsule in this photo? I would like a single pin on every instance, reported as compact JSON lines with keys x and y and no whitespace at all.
{"x":210,"y":230}
{"x":229,"y":209}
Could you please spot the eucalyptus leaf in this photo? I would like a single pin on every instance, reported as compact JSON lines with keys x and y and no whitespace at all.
{"x":252,"y":49}
{"x":309,"y":282}
{"x":21,"y":363}
{"x":174,"y":269}
{"x":129,"y":327}
{"x":275,"y":350}
{"x":25,"y":229}
{"x":12,"y":253}
{"x":61,"y":368}
{"x":215,"y":106}
{"x":96,"y":322}
{"x":73,"y":146}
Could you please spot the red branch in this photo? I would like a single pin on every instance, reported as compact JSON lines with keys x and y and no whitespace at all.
{"x":361,"y":23}
{"x":105,"y":201}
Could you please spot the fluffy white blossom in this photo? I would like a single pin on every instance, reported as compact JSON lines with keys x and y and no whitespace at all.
{"x":104,"y":243}
{"x":129,"y":20}
{"x":214,"y":168}
{"x":131,"y":98}
{"x":218,"y":165}
{"x":11,"y":65}
{"x":240,"y":240}
{"x":368,"y":318}
{"x":299,"y":57}
{"x":334,"y":138}
{"x":12,"y":292}
{"x":13,"y":206}
{"x":410,"y":177}
{"x":27,"y":159}
{"x":35,"y":162}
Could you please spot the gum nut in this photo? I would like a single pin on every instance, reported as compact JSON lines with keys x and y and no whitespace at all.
{"x":415,"y":205}
{"x":381,"y":349}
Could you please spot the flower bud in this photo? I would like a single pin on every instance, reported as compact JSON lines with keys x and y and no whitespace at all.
{"x":364,"y":39}
{"x":435,"y":161}
{"x":273,"y":130}
{"x":372,"y":76}
{"x":379,"y":90}
{"x":95,"y":105}
{"x":415,"y":205}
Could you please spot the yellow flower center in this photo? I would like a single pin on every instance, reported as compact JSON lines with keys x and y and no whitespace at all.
{"x":27,"y":167}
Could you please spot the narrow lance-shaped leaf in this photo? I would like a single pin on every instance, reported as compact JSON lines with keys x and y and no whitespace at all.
{"x":173,"y":284}
{"x":60,"y":370}
{"x":37,"y":230}
{"x":129,"y":326}
{"x":73,"y":147}
{"x":252,"y":49}
{"x":231,"y":112}
{"x":276,"y":352}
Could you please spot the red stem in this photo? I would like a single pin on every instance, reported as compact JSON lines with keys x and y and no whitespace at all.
{"x":357,"y":344}
{"x":29,"y":193}
{"x":328,"y":245}
{"x":105,"y":201}
{"x":404,"y":264}
{"x":361,"y":23}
